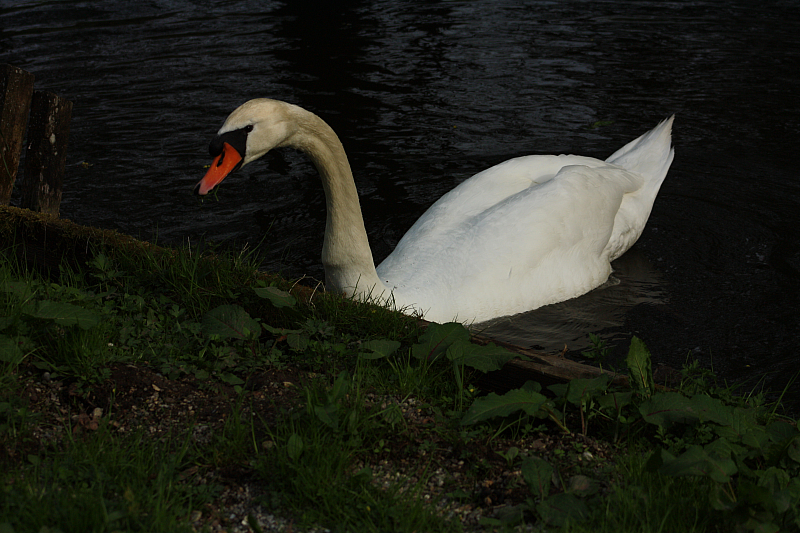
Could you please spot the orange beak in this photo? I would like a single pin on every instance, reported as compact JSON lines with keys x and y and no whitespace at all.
{"x":223,"y":164}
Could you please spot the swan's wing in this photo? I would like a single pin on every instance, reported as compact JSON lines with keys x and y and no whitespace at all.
{"x":649,"y":156}
{"x":487,"y":189}
{"x":545,"y":243}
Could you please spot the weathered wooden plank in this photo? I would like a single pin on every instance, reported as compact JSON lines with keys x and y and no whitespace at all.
{"x":546,"y":369}
{"x":46,"y":155}
{"x":49,"y":243}
{"x":16,"y":88}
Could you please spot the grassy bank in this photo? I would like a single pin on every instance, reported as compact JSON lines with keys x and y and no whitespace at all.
{"x":170,"y":391}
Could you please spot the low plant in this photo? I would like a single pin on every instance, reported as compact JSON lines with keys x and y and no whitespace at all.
{"x":747,"y":457}
{"x":103,"y":483}
{"x":372,"y":386}
{"x":600,"y":350}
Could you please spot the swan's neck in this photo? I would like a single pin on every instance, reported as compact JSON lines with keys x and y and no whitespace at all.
{"x":346,"y":255}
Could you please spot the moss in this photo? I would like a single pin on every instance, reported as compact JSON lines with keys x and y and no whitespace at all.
{"x":46,"y":241}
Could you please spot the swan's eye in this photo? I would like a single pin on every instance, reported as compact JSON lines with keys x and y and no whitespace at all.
{"x":248,"y":129}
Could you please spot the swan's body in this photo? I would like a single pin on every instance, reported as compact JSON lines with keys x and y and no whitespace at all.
{"x":525,"y":233}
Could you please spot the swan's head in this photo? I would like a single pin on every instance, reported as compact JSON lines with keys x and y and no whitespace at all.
{"x":252,"y":130}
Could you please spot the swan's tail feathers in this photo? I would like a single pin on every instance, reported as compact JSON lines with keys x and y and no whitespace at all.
{"x":650,"y":155}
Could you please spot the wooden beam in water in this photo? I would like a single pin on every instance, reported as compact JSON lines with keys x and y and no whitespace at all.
{"x":16,"y":88}
{"x":46,"y":155}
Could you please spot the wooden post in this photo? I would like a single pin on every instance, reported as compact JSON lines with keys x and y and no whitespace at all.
{"x":47,"y":152}
{"x":16,"y":87}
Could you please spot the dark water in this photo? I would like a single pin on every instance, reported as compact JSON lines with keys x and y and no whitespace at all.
{"x":425,"y":95}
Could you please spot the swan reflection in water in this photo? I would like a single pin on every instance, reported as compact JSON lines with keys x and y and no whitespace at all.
{"x":600,"y":311}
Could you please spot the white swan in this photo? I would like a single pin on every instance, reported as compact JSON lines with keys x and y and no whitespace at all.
{"x":525,"y":233}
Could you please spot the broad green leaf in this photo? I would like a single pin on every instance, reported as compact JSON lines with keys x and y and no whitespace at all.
{"x":6,"y":322}
{"x":340,"y":387}
{"x":640,"y":367}
{"x":696,"y":461}
{"x":784,"y":501}
{"x":722,"y":448}
{"x":615,"y":400}
{"x":510,"y":454}
{"x":780,"y":431}
{"x":277,"y":297}
{"x":773,"y":478}
{"x":378,"y":349}
{"x":230,"y":322}
{"x":667,"y":408}
{"x":20,"y":289}
{"x":294,"y":446}
{"x":297,"y":341}
{"x":793,"y":449}
{"x":561,"y":508}
{"x":714,"y":410}
{"x":657,"y":459}
{"x":790,"y":496}
{"x":65,"y":314}
{"x":756,"y":436}
{"x":437,"y":339}
{"x":584,"y":389}
{"x":756,"y":495}
{"x":493,"y":405}
{"x":538,"y":474}
{"x":231,"y":379}
{"x":328,"y":414}
{"x":559,"y":389}
{"x":785,"y":440}
{"x":484,"y":358}
{"x":737,"y":423}
{"x":9,"y":350}
{"x":532,"y":386}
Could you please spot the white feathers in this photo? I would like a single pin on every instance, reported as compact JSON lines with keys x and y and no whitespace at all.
{"x":528,"y":232}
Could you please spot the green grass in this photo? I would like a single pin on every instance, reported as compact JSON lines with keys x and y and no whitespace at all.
{"x":366,"y":390}
{"x":310,"y":474}
{"x":645,"y":501}
{"x":103,"y":483}
{"x":149,"y":310}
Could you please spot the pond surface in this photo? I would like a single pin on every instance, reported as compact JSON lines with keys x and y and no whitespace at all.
{"x":425,"y":95}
